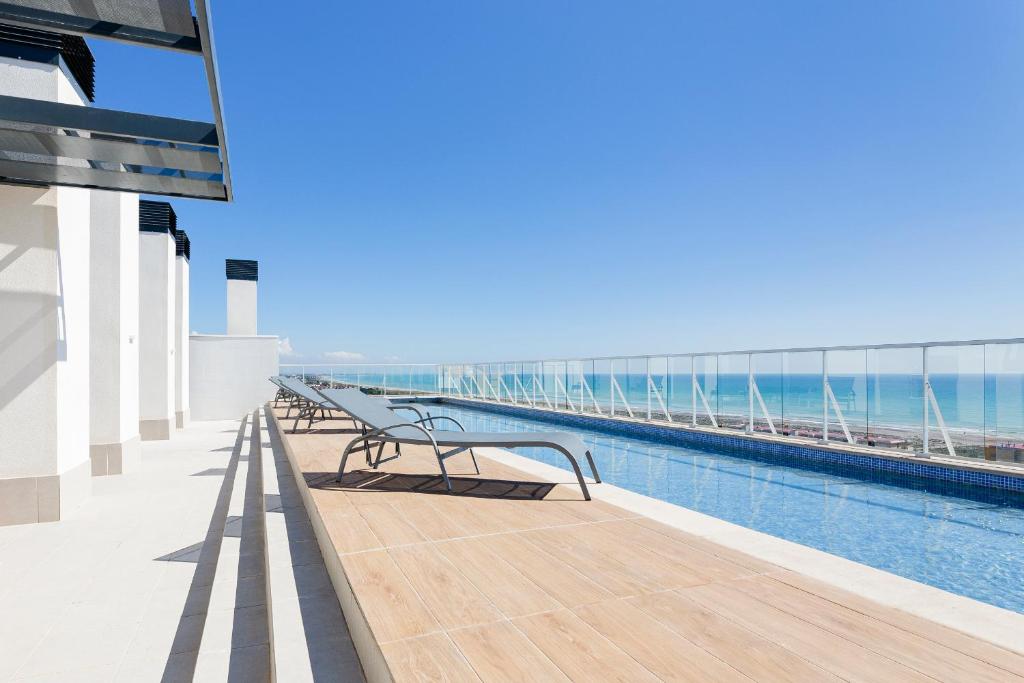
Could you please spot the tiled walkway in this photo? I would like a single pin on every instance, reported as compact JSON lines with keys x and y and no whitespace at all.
{"x":160,"y":576}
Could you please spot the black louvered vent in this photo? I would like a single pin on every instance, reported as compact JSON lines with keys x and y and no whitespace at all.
{"x":184,"y":246}
{"x":157,"y":217}
{"x":237,"y":269}
{"x":45,"y":46}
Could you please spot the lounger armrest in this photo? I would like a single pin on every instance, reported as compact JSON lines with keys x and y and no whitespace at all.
{"x":430,"y":419}
{"x":382,"y":430}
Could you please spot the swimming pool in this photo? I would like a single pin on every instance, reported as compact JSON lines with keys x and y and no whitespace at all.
{"x":964,"y":539}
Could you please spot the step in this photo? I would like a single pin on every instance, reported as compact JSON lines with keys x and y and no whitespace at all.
{"x":235,"y":643}
{"x":309,"y":638}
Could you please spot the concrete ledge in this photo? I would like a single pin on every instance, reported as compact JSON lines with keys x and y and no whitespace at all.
{"x":981,"y":620}
{"x":116,"y":458}
{"x":155,"y":430}
{"x":30,"y":500}
{"x":371,"y":657}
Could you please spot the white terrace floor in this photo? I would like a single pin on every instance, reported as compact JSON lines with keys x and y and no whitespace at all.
{"x":159,"y":576}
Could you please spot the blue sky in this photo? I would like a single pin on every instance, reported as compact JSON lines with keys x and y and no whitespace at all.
{"x":494,"y":180}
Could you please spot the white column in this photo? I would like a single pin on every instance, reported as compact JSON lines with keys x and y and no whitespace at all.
{"x":242,"y":276}
{"x":156,"y":334}
{"x":44,"y":329}
{"x":114,"y":351}
{"x":181,"y":331}
{"x":242,"y":307}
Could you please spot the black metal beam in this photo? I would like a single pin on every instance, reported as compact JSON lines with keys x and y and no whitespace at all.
{"x":29,"y":17}
{"x":204,"y":22}
{"x":22,"y":172}
{"x":96,"y":149}
{"x":58,"y":115}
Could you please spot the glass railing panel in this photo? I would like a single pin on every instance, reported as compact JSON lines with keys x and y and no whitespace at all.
{"x":732,"y":394}
{"x":1004,"y":402}
{"x":526,"y":387}
{"x":597,"y":375}
{"x":766,"y":369}
{"x":619,"y":400}
{"x":704,"y":386}
{"x":556,"y":378}
{"x":895,"y":399}
{"x":678,"y":388}
{"x":588,"y":399}
{"x":802,"y":393}
{"x":848,"y":405}
{"x":956,"y":375}
{"x":634,"y":384}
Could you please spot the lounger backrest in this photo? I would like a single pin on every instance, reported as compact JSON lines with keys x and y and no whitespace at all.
{"x":300,"y":388}
{"x":371,"y":412}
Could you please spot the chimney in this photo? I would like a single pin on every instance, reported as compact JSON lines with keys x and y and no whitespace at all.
{"x":242,"y":277}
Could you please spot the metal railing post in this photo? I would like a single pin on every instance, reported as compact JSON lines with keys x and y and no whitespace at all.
{"x":924,"y":397}
{"x":648,"y":389}
{"x":824,"y":396}
{"x":693,"y":389}
{"x":750,"y":395}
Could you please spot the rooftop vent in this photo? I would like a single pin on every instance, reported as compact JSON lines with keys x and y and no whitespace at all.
{"x":237,"y":269}
{"x":47,"y":47}
{"x":184,"y":246}
{"x":157,"y":217}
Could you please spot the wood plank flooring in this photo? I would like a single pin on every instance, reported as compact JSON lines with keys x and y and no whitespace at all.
{"x":518,"y":579}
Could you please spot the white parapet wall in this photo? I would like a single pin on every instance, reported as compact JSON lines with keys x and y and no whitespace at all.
{"x":44,"y":329}
{"x":228,"y":374}
{"x":156,"y":334}
{"x":181,"y":330}
{"x":114,"y":333}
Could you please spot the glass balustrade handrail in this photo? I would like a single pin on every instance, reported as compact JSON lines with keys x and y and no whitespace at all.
{"x":956,"y":398}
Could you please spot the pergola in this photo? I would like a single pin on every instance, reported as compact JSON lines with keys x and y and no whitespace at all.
{"x":52,"y":143}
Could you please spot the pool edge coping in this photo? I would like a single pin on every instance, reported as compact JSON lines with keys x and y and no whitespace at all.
{"x":935,"y":467}
{"x":996,"y":625}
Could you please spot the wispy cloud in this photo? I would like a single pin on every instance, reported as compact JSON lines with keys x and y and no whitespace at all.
{"x":284,"y":348}
{"x":345,"y":356}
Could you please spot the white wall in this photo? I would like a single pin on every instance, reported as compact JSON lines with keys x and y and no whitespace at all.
{"x":73,"y":407}
{"x":114,"y":308}
{"x":156,"y":329}
{"x":241,"y":307}
{"x":229,"y":374}
{"x":181,"y":334}
{"x":44,"y":328}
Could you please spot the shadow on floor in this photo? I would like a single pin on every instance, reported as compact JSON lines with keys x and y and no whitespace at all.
{"x":473,"y":487}
{"x":212,"y":472}
{"x":181,"y":660}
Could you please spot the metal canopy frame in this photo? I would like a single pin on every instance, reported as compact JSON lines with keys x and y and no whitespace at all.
{"x":61,"y":144}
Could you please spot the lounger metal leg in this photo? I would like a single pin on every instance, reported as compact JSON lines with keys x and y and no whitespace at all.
{"x":344,"y":459}
{"x":577,"y":471}
{"x":473,"y":456}
{"x":593,"y":468}
{"x":444,"y":473}
{"x":380,"y":451}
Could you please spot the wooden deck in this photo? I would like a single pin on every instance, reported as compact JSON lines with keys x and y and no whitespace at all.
{"x":518,"y":579}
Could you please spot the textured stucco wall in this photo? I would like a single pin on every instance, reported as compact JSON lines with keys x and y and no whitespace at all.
{"x":241,"y":307}
{"x":114,"y":277}
{"x":156,"y":326}
{"x":44,"y":300}
{"x":181,"y":334}
{"x":229,"y":374}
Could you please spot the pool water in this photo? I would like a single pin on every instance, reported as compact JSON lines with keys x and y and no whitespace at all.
{"x":964,"y":539}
